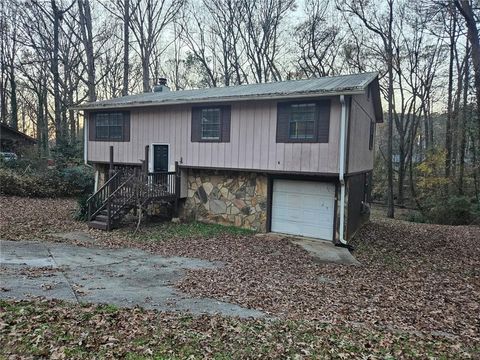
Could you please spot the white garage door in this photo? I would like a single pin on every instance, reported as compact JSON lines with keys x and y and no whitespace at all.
{"x":303,"y":208}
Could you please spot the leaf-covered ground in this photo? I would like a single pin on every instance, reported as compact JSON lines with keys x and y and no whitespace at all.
{"x":27,"y":219}
{"x":417,"y":281}
{"x":54,"y":330}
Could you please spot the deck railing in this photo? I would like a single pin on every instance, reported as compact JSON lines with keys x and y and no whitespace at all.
{"x":123,"y":190}
{"x":99,"y":201}
{"x":161,"y":184}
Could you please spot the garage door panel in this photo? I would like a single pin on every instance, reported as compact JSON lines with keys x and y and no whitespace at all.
{"x":303,"y":208}
{"x":298,"y":201}
{"x":303,"y":187}
{"x":315,"y":217}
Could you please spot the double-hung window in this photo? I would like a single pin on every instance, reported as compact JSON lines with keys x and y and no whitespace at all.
{"x":110,"y":126}
{"x":211,"y":124}
{"x":302,"y":122}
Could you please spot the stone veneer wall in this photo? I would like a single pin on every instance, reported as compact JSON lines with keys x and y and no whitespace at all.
{"x":227,"y":197}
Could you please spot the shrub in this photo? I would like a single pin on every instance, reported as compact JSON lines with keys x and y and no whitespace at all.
{"x":455,"y":210}
{"x":46,"y":183}
{"x":81,"y":212}
{"x":415,"y":216}
{"x":80,"y":179}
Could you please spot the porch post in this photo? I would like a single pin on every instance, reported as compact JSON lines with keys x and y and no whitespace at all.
{"x":177,"y":188}
{"x":110,"y":164}
{"x":147,"y":148}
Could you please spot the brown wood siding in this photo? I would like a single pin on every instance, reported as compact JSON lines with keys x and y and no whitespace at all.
{"x":252,"y":142}
{"x":360,"y":156}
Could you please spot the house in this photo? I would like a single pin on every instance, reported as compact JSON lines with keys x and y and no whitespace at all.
{"x":292,"y":157}
{"x":12,"y":140}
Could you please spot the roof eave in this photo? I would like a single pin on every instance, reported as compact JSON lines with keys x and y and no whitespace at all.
{"x":353,"y":91}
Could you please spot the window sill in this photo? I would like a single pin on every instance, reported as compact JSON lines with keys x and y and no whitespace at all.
{"x":108,"y":140}
{"x":296,"y":141}
{"x":209,"y":141}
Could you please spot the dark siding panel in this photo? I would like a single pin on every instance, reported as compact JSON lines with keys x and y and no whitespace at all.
{"x":372,"y":133}
{"x":126,"y":126}
{"x":323,"y":121}
{"x":196,"y":121}
{"x":356,"y":195}
{"x":283,"y":116}
{"x":368,"y":186}
{"x":91,"y":127}
{"x":226,"y":119}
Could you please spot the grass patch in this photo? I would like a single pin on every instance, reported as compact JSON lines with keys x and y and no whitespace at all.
{"x":107,"y":308}
{"x":189,"y":230}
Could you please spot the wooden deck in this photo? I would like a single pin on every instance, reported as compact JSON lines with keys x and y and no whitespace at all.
{"x":125,"y":191}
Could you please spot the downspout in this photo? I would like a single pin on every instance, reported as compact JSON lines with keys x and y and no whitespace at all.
{"x":85,"y":138}
{"x":341,"y":167}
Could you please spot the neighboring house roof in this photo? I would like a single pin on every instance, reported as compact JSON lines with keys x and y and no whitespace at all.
{"x":324,"y":86}
{"x":5,"y":129}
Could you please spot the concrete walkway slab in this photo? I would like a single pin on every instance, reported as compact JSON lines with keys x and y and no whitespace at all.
{"x":326,"y":252}
{"x":123,"y":277}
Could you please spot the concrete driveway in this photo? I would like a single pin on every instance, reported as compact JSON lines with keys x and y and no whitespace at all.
{"x":123,"y":277}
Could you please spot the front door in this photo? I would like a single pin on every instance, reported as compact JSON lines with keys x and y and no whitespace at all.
{"x":160,"y":158}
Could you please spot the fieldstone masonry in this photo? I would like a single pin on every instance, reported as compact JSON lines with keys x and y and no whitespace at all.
{"x":227,"y":197}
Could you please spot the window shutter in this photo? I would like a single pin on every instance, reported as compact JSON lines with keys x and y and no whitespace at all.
{"x":91,"y":126}
{"x":323,"y":121}
{"x":226,"y":116}
{"x":196,"y":124}
{"x":372,"y":132}
{"x":126,"y":126}
{"x":283,"y":117}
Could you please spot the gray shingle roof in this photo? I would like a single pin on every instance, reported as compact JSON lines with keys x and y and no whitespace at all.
{"x":333,"y":85}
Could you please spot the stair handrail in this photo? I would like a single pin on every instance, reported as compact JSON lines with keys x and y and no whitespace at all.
{"x":126,"y":199}
{"x":119,"y":187}
{"x":95,"y":197}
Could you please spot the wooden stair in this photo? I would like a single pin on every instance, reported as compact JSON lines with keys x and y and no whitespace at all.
{"x":122,"y":192}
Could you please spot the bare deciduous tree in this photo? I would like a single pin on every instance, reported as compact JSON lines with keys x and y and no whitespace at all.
{"x":380,"y":24}
{"x":320,"y":41}
{"x":149,"y":19}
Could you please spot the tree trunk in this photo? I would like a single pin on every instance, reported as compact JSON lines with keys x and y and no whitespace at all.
{"x":71,"y":117}
{"x":448,"y":128}
{"x":473,"y":36}
{"x":59,"y":131}
{"x":13,"y":99}
{"x":401,"y":174}
{"x":455,"y":119}
{"x":463,"y":126}
{"x":3,"y":68}
{"x":146,"y":72}
{"x":126,"y":46}
{"x":391,"y":206}
{"x":87,"y":40}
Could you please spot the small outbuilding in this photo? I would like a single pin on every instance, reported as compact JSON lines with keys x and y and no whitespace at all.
{"x":14,"y":141}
